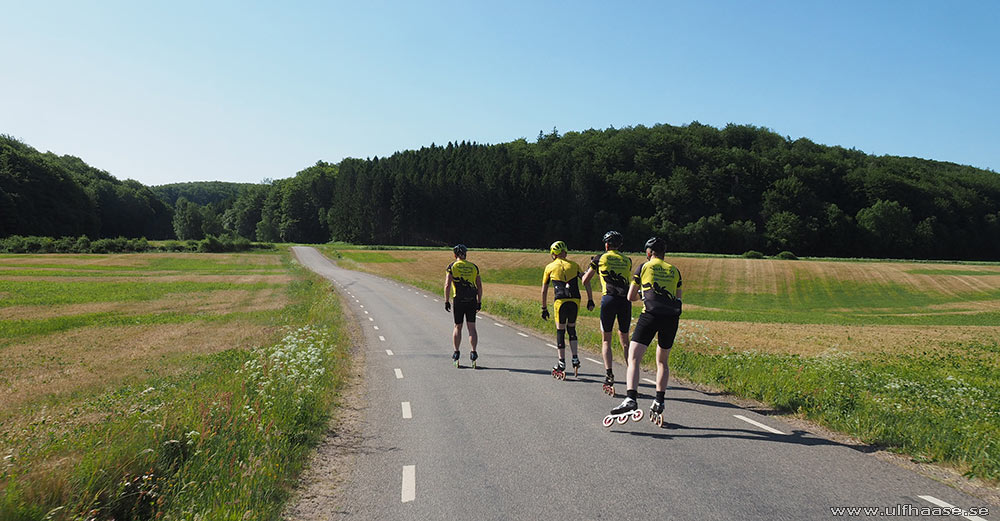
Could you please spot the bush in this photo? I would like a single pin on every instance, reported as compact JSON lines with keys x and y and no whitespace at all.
{"x":786,"y":255}
{"x":753,"y":254}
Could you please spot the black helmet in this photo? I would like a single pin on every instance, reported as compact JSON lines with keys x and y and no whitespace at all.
{"x":460,"y":250}
{"x":656,"y":244}
{"x":613,"y":238}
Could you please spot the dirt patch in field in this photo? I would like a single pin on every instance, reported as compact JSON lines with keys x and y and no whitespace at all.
{"x":211,"y":303}
{"x":813,"y":339}
{"x":97,"y":358}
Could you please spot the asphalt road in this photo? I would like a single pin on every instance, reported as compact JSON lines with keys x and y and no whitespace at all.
{"x":507,"y":441}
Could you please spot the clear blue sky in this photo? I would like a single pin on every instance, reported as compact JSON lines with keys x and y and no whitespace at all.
{"x":177,"y":91}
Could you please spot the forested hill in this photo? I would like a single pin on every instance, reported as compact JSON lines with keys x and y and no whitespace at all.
{"x":200,"y":192}
{"x":51,"y":195}
{"x":702,"y":188}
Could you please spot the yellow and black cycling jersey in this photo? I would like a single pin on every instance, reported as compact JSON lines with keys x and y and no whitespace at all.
{"x":564,"y":276}
{"x":659,"y":282}
{"x":463,"y":281}
{"x":614,"y":269}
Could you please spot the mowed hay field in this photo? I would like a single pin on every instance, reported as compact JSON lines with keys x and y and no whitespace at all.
{"x":126,"y":380}
{"x":904,"y":355}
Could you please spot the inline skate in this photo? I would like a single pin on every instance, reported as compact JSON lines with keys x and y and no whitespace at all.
{"x":656,"y":413}
{"x":621,"y":414}
{"x":559,"y":371}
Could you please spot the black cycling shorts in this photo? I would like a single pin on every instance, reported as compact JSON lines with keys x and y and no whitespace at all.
{"x":464,"y":311}
{"x":648,"y":325}
{"x":566,"y":311}
{"x":615,"y":307}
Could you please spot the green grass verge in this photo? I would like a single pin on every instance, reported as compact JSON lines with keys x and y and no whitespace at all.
{"x":224,"y":441}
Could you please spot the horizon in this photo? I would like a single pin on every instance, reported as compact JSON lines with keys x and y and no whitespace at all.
{"x":224,"y":92}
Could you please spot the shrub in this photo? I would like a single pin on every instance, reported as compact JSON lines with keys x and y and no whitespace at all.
{"x":753,"y":254}
{"x":786,"y":255}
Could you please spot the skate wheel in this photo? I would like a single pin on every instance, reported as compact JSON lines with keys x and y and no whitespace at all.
{"x":637,"y":415}
{"x":622,"y":419}
{"x":659,"y":420}
{"x":609,"y":420}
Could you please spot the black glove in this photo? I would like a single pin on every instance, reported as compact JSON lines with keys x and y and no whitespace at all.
{"x":447,"y":306}
{"x":545,"y":313}
{"x":479,"y":305}
{"x":590,"y":304}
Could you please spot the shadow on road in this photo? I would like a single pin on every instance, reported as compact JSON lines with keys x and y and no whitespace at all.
{"x":797,"y":437}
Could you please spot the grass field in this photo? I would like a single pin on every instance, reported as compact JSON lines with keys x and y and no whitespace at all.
{"x":904,"y":355}
{"x":157,"y":386}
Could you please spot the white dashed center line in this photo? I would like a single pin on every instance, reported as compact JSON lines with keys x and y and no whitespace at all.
{"x":758,"y":424}
{"x":938,"y":502}
{"x":370,"y":319}
{"x":553,"y":346}
{"x":522,"y":334}
{"x":407,"y":413}
{"x":436,"y":300}
{"x":497,"y":324}
{"x":362,"y":306}
{"x":388,"y":352}
{"x":376,"y":328}
{"x":381,"y":338}
{"x":409,"y":483}
{"x":399,"y":373}
{"x":366,"y":312}
{"x":647,"y":380}
{"x":595,"y":361}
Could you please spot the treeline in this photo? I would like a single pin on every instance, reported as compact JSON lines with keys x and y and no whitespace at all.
{"x":83,"y":244}
{"x":704,"y":189}
{"x":50,"y":195}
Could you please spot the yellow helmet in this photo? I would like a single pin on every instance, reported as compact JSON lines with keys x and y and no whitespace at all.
{"x":558,"y":247}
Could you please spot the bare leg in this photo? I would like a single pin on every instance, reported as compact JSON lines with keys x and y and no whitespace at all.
{"x":636,"y":350}
{"x":623,"y":337}
{"x":473,"y":335}
{"x":573,"y":342}
{"x":662,"y":369}
{"x":456,"y":336}
{"x":606,"y":349}
{"x":562,"y":350}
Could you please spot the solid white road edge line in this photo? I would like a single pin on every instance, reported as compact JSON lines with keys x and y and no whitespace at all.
{"x":938,"y":502}
{"x":388,"y":352}
{"x":497,"y":324}
{"x":761,"y":425}
{"x":522,"y":334}
{"x":647,"y":380}
{"x":553,"y":346}
{"x":595,"y":361}
{"x":399,"y":373}
{"x":407,"y":413}
{"x":409,"y":492}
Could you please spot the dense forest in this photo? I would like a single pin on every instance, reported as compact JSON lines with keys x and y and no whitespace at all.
{"x":704,"y":189}
{"x":55,"y":196}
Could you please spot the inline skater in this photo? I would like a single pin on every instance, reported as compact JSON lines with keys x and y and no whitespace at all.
{"x":463,"y":284}
{"x":615,"y":270}
{"x":659,"y":284}
{"x":564,"y":276}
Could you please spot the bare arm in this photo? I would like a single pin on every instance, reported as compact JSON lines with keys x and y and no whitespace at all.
{"x":447,"y":287}
{"x":479,"y":288}
{"x":545,"y":294}
{"x":633,"y":292}
{"x":589,"y":274}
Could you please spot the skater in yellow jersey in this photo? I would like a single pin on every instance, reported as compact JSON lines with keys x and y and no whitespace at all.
{"x":564,"y":275}
{"x":615,"y":270}
{"x":659,"y":284}
{"x":463,"y":284}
